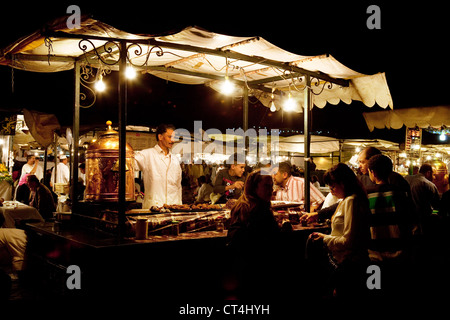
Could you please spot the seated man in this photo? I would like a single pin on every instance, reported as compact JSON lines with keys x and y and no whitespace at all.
{"x":41,"y":198}
{"x":205,"y":189}
{"x":230,"y":181}
{"x":13,"y":243}
{"x":290,"y":188}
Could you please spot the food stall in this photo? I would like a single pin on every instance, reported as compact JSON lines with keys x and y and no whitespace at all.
{"x":185,"y":249}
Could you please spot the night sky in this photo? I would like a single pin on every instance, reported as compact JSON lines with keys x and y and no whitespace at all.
{"x":411,"y":48}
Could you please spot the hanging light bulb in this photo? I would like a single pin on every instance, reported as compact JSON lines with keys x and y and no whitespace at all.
{"x":289,"y":104}
{"x":442,"y":136}
{"x":227,"y":87}
{"x":130,"y":73}
{"x":272,"y":107}
{"x":100,"y":85}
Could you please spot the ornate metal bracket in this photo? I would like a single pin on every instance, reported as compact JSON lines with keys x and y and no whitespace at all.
{"x":138,"y":53}
{"x":107,"y":49}
{"x":316,"y":83}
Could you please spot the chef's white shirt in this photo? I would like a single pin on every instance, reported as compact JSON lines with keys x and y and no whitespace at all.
{"x":161,"y":175}
{"x":62,"y":174}
{"x":26,"y":169}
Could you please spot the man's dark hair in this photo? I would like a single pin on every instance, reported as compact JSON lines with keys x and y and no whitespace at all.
{"x":162,"y":128}
{"x":370,"y":152}
{"x":235,"y":158}
{"x":426,"y":167}
{"x":33,"y":178}
{"x":285,"y":167}
{"x":381,"y":165}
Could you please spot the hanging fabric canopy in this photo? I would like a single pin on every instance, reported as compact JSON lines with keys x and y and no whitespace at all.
{"x":195,"y":56}
{"x":319,"y":144}
{"x":198,"y":56}
{"x":41,"y":125}
{"x":410,"y":117}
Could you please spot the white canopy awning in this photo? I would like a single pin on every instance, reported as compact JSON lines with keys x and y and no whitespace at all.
{"x":292,"y":144}
{"x":319,"y":144}
{"x":411,"y":117}
{"x":197,"y":56}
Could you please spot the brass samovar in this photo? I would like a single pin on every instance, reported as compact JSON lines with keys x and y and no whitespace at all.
{"x":102,"y":168}
{"x":440,"y":175}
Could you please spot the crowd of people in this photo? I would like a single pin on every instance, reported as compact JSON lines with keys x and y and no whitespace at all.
{"x":202,"y":183}
{"x":376,"y":215}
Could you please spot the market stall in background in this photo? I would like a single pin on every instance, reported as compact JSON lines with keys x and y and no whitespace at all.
{"x":414,"y":152}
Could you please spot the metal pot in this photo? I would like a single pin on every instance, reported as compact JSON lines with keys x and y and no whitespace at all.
{"x":440,"y":175}
{"x":102,"y":168}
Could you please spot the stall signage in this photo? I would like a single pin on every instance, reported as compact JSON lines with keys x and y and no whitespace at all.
{"x":8,"y":124}
{"x":413,"y":139}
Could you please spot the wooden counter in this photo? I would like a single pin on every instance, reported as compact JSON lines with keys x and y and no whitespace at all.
{"x":188,"y":265}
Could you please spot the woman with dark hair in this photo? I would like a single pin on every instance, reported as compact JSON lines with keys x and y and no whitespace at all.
{"x":348,"y":242}
{"x":252,"y":219}
{"x":253,"y":237}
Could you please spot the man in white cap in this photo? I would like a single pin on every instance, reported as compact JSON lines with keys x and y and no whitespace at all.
{"x":62,"y":171}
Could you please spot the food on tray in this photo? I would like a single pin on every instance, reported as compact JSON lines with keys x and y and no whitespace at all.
{"x":285,"y":204}
{"x":185,"y":207}
{"x":159,"y":209}
{"x":205,"y":206}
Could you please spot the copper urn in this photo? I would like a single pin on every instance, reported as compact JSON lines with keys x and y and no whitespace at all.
{"x":440,"y":175}
{"x":102,"y":168}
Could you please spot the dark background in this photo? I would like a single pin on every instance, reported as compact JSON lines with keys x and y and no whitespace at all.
{"x":411,"y":48}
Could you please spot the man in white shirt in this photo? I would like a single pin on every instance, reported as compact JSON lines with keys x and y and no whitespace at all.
{"x":32,"y":167}
{"x":62,"y":171}
{"x":161,"y":170}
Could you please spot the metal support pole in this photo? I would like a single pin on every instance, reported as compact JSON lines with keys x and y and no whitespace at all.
{"x":245,"y":107}
{"x":75,"y":135}
{"x":245,"y":117}
{"x":46,"y":180}
{"x":122,"y":135}
{"x":307,"y":139}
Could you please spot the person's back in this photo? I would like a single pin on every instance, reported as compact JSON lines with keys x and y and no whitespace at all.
{"x":390,"y":217}
{"x":23,"y":193}
{"x":389,"y":225}
{"x":424,"y":193}
{"x":204,"y":192}
{"x":444,"y":208}
{"x":41,"y":198}
{"x":253,"y":246}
